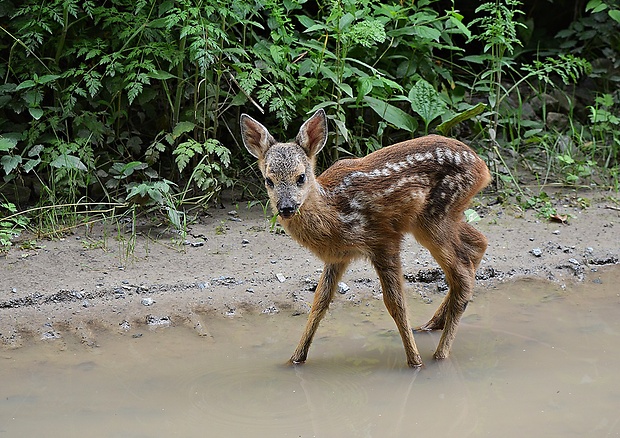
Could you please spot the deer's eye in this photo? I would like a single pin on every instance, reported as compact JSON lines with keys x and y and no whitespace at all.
{"x":269,"y":183}
{"x":301,"y":179}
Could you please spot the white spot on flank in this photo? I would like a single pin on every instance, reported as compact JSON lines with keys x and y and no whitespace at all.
{"x":439,"y":153}
{"x":449,"y":155}
{"x":457,"y":158}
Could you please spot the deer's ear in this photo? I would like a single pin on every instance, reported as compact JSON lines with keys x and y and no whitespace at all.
{"x":256,"y":138}
{"x":313,"y":133}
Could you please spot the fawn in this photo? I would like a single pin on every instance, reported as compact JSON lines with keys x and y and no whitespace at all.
{"x":362,"y":207}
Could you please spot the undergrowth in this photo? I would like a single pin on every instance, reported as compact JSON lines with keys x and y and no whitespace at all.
{"x":136,"y":105}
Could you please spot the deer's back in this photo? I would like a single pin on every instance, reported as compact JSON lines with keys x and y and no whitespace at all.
{"x":427,"y":176}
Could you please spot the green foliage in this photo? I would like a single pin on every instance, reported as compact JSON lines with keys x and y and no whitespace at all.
{"x":11,"y":224}
{"x":138,"y":103}
{"x":426,"y":102}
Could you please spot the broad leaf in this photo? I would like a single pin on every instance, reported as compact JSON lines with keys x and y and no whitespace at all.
{"x":461,"y":117}
{"x":392,"y":114}
{"x":6,"y":144}
{"x":426,"y":102}
{"x":69,"y":162}
{"x":9,"y":163}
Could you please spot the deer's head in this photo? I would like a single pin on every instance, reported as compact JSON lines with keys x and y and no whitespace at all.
{"x":288,"y":168}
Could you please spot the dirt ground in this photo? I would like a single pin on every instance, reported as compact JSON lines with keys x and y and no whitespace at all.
{"x":231,"y":264}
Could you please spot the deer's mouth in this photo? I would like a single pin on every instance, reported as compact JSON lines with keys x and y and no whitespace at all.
{"x":288,"y":210}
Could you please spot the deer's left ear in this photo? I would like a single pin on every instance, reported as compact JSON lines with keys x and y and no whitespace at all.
{"x":256,"y":138}
{"x":313,"y":133}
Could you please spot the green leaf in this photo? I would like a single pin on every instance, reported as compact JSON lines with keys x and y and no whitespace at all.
{"x":595,"y":6}
{"x":457,"y":20}
{"x":26,"y":84}
{"x":6,"y":144}
{"x":69,"y":162}
{"x":182,"y":128}
{"x":472,"y":216}
{"x":31,"y":164}
{"x":427,"y":33}
{"x":392,"y":114}
{"x":47,"y":78}
{"x":10,"y":163}
{"x":160,"y":75}
{"x":365,"y":86}
{"x":36,"y":113}
{"x":425,"y":101}
{"x":614,"y":14}
{"x":445,"y":127}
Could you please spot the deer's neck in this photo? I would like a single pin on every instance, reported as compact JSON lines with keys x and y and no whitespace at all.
{"x":317,"y":225}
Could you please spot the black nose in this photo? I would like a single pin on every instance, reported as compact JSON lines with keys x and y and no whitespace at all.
{"x":287,"y":212}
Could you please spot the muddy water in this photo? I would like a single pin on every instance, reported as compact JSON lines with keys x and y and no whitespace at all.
{"x":530,"y":360}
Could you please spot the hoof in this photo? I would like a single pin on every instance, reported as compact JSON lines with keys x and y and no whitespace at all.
{"x":440,"y":355}
{"x":429,"y":326}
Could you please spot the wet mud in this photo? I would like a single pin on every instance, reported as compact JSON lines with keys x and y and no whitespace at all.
{"x":532,"y":358}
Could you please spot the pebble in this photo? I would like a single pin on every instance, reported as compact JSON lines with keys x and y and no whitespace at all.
{"x":281,"y":278}
{"x":147,"y":301}
{"x":536,"y":252}
{"x":343,"y":288}
{"x":155,"y":320}
{"x":245,"y":241}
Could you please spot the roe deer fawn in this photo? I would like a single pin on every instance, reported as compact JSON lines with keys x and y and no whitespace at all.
{"x":361,"y":208}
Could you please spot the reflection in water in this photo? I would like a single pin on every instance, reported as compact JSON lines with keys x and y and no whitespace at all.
{"x":530,"y":360}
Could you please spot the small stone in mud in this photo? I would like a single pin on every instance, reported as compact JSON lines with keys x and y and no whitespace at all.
{"x":556,"y":232}
{"x":85,"y":303}
{"x":196,"y":244}
{"x":147,"y":301}
{"x":50,"y":334}
{"x":155,"y":320}
{"x":125,"y":325}
{"x":281,"y":278}
{"x":536,"y":252}
{"x":250,"y":290}
{"x":245,"y":241}
{"x":14,"y":290}
{"x":343,"y":288}
{"x":574,"y":262}
{"x":271,"y":310}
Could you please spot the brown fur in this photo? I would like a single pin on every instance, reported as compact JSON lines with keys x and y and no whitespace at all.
{"x":361,"y":208}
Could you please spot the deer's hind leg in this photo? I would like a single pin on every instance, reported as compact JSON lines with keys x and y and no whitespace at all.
{"x":459,"y":252}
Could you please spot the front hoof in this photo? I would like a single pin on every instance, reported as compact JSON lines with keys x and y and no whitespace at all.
{"x":440,"y":355}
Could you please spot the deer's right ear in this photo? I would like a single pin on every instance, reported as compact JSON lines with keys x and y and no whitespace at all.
{"x":256,"y":138}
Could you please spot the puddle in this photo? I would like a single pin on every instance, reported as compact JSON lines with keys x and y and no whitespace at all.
{"x":530,"y":360}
